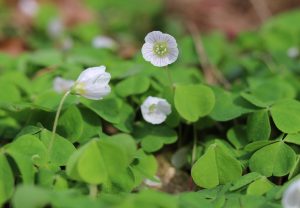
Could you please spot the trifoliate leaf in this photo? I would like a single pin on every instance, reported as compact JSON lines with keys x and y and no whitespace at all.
{"x":283,"y":159}
{"x":215,"y":167}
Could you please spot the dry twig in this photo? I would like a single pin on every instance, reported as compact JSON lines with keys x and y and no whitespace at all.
{"x":261,"y":8}
{"x":211,"y":73}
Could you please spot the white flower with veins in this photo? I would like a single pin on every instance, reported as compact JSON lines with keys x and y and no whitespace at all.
{"x":61,"y":85}
{"x":103,"y":42}
{"x":92,"y":83}
{"x":160,"y":49}
{"x":291,"y":196}
{"x":155,"y":110}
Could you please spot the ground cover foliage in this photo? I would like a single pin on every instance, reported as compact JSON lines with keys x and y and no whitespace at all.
{"x":239,"y":142}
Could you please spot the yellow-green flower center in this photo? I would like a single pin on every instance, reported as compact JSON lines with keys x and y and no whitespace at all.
{"x":152,"y":108}
{"x":160,"y":49}
{"x":78,"y":89}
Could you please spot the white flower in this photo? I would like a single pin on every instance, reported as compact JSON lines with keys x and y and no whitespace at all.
{"x":92,"y":83}
{"x":55,"y":28}
{"x":103,"y":42}
{"x":61,"y":85}
{"x":293,"y":52}
{"x":291,"y":196}
{"x":160,"y":49}
{"x":155,"y":110}
{"x":28,"y":7}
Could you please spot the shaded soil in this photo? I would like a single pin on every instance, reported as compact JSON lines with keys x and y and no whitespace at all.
{"x":230,"y":16}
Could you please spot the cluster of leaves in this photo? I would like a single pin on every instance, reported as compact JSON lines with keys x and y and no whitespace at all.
{"x":245,"y":139}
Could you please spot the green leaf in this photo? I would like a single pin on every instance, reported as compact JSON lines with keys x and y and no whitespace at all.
{"x":28,"y":152}
{"x":46,"y":57}
{"x":293,"y":138}
{"x":133,"y":85}
{"x":49,"y":101}
{"x":251,"y":147}
{"x":11,"y":97}
{"x":189,"y":75}
{"x":285,"y":115}
{"x":283,"y":159}
{"x":126,"y":116}
{"x":98,"y":162}
{"x":245,"y":180}
{"x":237,"y":137}
{"x":215,"y":167}
{"x":27,"y":196}
{"x":262,"y":95}
{"x":62,"y":148}
{"x":194,"y":101}
{"x":258,"y":126}
{"x":253,"y":201}
{"x":150,"y":198}
{"x":126,"y":142}
{"x":6,"y":180}
{"x":31,"y":146}
{"x":144,"y":166}
{"x":153,"y":137}
{"x":29,"y":130}
{"x":91,"y":125}
{"x":194,"y":200}
{"x":296,"y":168}
{"x":228,"y":105}
{"x":18,"y":79}
{"x":259,"y":186}
{"x":254,"y":100}
{"x":108,"y":108}
{"x":70,"y":124}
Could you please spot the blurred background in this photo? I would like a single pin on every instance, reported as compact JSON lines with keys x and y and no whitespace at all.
{"x":126,"y":21}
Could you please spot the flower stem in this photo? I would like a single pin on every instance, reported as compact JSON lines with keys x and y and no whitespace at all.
{"x":56,"y":120}
{"x":93,"y":190}
{"x":194,"y":144}
{"x":170,"y":78}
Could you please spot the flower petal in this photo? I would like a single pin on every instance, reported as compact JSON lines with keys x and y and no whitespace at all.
{"x":147,"y":51}
{"x":102,"y":79}
{"x":96,"y":93}
{"x":164,"y":107}
{"x":290,"y":197}
{"x":153,"y":37}
{"x":160,"y":61}
{"x":173,"y":55}
{"x":91,"y":73}
{"x":61,"y":85}
{"x":171,"y":41}
{"x":155,"y":118}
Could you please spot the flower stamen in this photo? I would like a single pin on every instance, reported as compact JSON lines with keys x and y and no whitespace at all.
{"x":161,"y":49}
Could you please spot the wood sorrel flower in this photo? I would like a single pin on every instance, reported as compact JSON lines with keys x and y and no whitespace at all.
{"x":92,"y":83}
{"x":155,"y":110}
{"x":103,"y":42}
{"x":61,"y":85}
{"x":160,"y":49}
{"x":291,"y":197}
